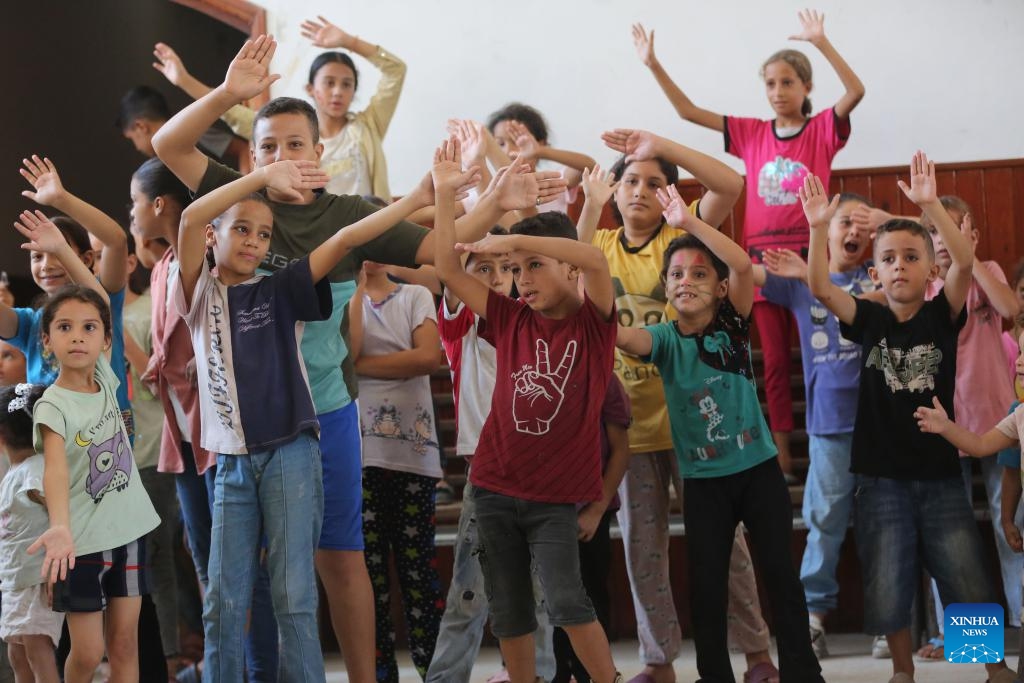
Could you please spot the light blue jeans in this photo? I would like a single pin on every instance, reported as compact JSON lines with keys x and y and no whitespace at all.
{"x":828,"y":503}
{"x":462,"y":626}
{"x":277,"y":493}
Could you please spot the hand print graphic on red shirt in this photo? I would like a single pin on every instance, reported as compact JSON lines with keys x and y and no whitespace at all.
{"x":539,"y":392}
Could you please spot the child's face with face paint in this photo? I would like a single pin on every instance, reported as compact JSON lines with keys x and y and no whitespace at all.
{"x":691,"y":284}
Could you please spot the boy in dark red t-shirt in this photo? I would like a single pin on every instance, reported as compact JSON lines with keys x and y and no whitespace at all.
{"x":539,"y":451}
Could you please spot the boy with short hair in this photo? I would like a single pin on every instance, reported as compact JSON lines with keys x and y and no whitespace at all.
{"x":539,"y":451}
{"x":143,"y":111}
{"x":287,"y":128}
{"x":909,"y":490}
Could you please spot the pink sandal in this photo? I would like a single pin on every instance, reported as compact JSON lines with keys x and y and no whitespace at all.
{"x":763,"y":672}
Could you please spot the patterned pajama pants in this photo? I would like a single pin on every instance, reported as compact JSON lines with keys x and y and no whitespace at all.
{"x":398,"y":519}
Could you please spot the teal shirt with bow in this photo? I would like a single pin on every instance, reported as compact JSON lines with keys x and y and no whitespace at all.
{"x":717,"y":425}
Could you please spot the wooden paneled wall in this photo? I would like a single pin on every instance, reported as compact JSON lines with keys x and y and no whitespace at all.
{"x":994,"y":189}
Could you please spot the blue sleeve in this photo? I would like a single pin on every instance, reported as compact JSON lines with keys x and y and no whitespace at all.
{"x":23,"y":337}
{"x":1010,"y":457}
{"x":778,"y":290}
{"x":306,"y":300}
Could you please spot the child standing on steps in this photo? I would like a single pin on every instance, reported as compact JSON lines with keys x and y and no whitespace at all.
{"x":778,"y":153}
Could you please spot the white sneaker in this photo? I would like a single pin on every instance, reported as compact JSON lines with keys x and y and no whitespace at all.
{"x":880,"y":648}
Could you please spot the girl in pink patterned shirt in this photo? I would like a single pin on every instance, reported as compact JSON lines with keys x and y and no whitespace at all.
{"x":778,"y":153}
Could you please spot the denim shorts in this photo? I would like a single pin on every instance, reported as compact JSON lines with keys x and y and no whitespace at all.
{"x":904,"y":525}
{"x":513,"y":532}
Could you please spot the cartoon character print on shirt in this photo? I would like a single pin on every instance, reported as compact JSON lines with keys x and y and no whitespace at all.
{"x":911,"y":369}
{"x":719,"y":438}
{"x":539,"y":391}
{"x":385,"y":422}
{"x":110,"y":465}
{"x":779,"y":181}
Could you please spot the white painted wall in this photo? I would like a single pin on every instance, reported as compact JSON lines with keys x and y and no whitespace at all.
{"x":942,"y":75}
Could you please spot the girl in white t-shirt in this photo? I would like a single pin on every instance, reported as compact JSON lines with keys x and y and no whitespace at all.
{"x":396,"y":346}
{"x":28,"y":625}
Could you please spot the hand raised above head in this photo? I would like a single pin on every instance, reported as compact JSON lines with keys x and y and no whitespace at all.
{"x":923,"y":187}
{"x":644,"y":44}
{"x":43,"y":176}
{"x":519,"y":188}
{"x":637,"y":145}
{"x":322,"y":33}
{"x":249,"y":72}
{"x":812,"y":26}
{"x":169,"y":64}
{"x":41,"y":233}
{"x":447,"y":174}
{"x":817,"y":207}
{"x":529,"y":147}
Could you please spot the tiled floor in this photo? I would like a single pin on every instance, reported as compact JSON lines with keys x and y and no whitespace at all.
{"x":850,"y":662}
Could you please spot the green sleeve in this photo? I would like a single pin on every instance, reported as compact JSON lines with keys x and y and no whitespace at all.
{"x":217,"y":174}
{"x":46,"y":413}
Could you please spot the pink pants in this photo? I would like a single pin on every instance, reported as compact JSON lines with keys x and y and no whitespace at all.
{"x":775,"y":327}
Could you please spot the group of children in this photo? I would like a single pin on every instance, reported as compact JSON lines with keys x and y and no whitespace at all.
{"x":592,"y":370}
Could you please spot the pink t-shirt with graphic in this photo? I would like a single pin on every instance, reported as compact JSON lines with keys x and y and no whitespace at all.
{"x":542,"y":439}
{"x":776,"y":168}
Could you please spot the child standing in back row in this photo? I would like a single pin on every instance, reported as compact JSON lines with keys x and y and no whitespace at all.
{"x":778,"y":153}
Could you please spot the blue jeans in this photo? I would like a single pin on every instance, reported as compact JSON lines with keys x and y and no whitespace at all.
{"x":903,"y":525}
{"x":277,"y":493}
{"x":465,"y":613}
{"x":195,"y":497}
{"x":828,"y":502}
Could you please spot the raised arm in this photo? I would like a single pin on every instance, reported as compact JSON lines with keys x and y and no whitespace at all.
{"x":723,"y":184}
{"x":328,"y":254}
{"x":644,"y":43}
{"x":992,"y":281}
{"x":247,"y":76}
{"x":597,"y":279}
{"x":289,"y":178}
{"x":322,"y":33}
{"x":173,"y":69}
{"x":812,"y":24}
{"x":44,"y":236}
{"x":575,"y":162}
{"x":935,"y":421}
{"x":446,"y":171}
{"x":923,"y":192}
{"x":598,"y":188}
{"x":819,"y":212}
{"x":49,"y":191}
{"x":741,"y":272}
{"x":513,"y":188}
